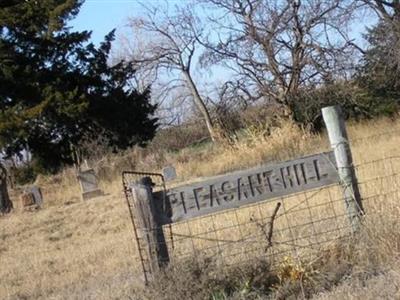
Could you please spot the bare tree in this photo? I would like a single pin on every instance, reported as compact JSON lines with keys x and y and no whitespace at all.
{"x":386,"y":9}
{"x":280,"y":46}
{"x":166,"y":51}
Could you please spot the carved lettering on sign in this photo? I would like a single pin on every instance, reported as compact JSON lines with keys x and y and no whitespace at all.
{"x":249,"y":186}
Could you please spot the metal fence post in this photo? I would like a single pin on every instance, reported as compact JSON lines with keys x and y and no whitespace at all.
{"x":149,"y":223}
{"x":338,"y":138}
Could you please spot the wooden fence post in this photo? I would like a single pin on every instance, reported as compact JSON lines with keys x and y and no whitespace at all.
{"x":336,"y":128}
{"x":149,"y":224}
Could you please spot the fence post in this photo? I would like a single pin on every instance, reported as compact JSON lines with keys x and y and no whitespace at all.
{"x":149,"y":223}
{"x":336,"y":128}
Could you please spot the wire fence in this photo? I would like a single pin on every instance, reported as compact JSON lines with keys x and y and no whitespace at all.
{"x":298,"y":226}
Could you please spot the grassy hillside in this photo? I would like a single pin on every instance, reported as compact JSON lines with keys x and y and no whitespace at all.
{"x":85,"y":250}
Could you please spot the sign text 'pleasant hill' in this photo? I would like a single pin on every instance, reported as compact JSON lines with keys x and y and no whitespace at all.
{"x":244,"y":187}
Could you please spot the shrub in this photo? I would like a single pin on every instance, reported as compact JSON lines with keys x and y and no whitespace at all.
{"x":24,"y":174}
{"x":179,"y":137}
{"x":357,"y":103}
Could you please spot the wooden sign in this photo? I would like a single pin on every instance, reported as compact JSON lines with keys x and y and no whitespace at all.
{"x":244,"y":187}
{"x":150,"y":210}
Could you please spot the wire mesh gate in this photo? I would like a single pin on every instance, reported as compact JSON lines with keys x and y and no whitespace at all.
{"x":296,"y":227}
{"x":158,"y":183}
{"x":271,"y":229}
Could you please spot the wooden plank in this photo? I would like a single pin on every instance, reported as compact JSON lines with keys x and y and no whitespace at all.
{"x":248,"y":186}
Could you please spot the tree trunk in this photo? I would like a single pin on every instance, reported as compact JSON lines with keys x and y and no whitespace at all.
{"x":201,"y":106}
{"x":285,"y":99}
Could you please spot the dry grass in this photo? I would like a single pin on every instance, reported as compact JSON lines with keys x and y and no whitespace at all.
{"x":67,"y":251}
{"x":381,"y":286}
{"x":84,"y":250}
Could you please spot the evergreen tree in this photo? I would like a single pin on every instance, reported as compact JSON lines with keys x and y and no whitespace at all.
{"x":379,"y":74}
{"x":56,"y":87}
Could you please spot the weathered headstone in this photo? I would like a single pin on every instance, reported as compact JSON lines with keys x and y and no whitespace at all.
{"x":89,"y":186}
{"x":31,"y":197}
{"x":5,"y":202}
{"x":37,"y":194}
{"x":27,"y":199}
{"x":169,"y":173}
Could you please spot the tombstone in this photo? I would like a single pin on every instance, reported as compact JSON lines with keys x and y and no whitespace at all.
{"x":88,"y":182}
{"x":27,"y":199}
{"x":5,"y":202}
{"x":31,"y":197}
{"x":169,"y":173}
{"x":36,"y":193}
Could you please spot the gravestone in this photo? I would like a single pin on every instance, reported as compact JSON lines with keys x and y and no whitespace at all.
{"x":169,"y":173}
{"x":36,"y":194}
{"x":32,"y":196}
{"x":27,"y":199}
{"x":5,"y":202}
{"x":89,"y":186}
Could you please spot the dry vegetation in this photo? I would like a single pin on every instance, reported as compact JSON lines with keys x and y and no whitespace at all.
{"x":84,"y":250}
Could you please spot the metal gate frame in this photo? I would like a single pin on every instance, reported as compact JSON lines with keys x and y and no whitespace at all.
{"x":158,"y":182}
